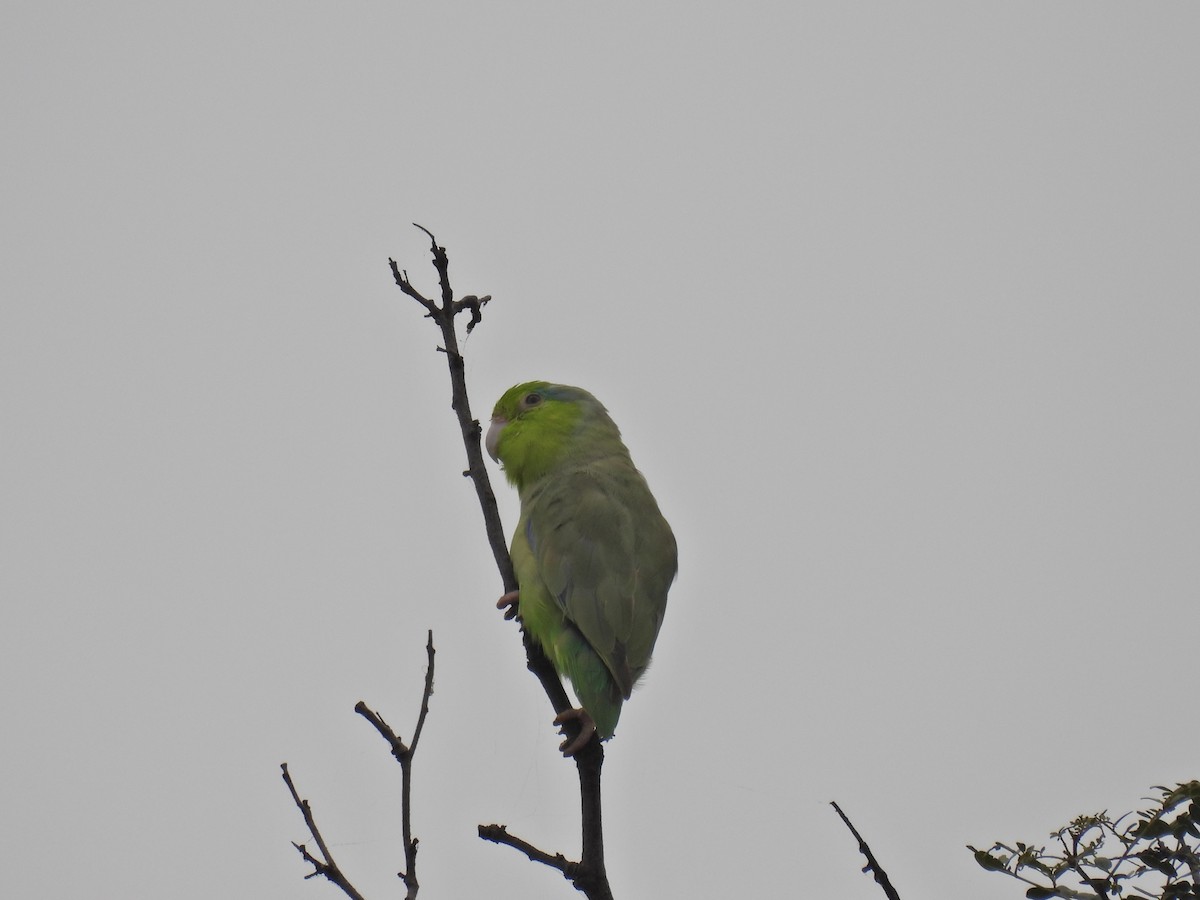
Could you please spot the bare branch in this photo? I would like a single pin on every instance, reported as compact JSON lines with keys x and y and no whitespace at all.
{"x":325,"y":865}
{"x":498,"y":834}
{"x":399,"y":749}
{"x":444,"y":316}
{"x":581,"y":876}
{"x":407,"y":286}
{"x":429,"y":652}
{"x":475,"y":305}
{"x":872,"y":865}
{"x":404,"y":755}
{"x":441,"y":262}
{"x":591,"y":878}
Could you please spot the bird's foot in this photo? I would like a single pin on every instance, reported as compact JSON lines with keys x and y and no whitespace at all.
{"x":508,"y":603}
{"x":587,"y":728}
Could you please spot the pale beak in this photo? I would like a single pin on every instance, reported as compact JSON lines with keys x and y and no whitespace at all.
{"x":493,"y":436}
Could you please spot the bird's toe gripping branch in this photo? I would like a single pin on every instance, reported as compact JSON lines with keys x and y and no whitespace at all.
{"x":508,"y":603}
{"x":587,"y":728}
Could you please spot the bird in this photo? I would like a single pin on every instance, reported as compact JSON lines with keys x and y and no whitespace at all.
{"x":593,"y":555}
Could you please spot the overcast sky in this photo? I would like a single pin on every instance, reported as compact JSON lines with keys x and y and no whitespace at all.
{"x":895,"y":304}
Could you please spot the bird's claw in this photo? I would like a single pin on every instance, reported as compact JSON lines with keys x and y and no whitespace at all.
{"x":508,"y":603}
{"x":587,"y":728}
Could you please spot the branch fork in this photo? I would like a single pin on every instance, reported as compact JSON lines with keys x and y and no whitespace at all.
{"x":324,"y":866}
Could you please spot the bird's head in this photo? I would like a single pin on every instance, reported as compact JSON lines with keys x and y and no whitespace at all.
{"x":537,"y":425}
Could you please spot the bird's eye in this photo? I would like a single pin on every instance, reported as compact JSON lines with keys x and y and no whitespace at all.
{"x":533,"y":399}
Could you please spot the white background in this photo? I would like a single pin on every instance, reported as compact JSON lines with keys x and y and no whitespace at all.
{"x":895,"y":305}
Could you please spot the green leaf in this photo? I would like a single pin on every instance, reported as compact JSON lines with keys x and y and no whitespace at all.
{"x":1157,"y":859}
{"x":989,"y":862}
{"x":1193,"y":815}
{"x":1181,"y":826}
{"x":1188,"y":790}
{"x":1151,"y":829}
{"x":1042,"y":893}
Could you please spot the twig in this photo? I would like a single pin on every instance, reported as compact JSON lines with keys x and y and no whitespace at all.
{"x":444,"y":315}
{"x":324,"y":866}
{"x":872,"y":865}
{"x":575,"y":872}
{"x":404,"y":755}
{"x":590,"y":877}
{"x":498,"y":834}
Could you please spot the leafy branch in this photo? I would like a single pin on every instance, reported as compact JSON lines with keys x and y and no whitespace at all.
{"x":1154,"y":853}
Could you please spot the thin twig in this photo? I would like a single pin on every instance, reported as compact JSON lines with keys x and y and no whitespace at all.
{"x":469,"y":426}
{"x":325,"y":865}
{"x":498,"y":834}
{"x":872,"y":865}
{"x":591,"y":877}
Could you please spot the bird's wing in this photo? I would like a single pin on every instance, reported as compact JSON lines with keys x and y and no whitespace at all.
{"x":607,"y":557}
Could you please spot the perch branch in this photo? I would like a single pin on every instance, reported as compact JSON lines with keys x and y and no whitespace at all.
{"x":872,"y":865}
{"x":591,"y":877}
{"x":325,"y":865}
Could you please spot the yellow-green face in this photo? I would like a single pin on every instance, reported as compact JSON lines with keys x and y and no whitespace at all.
{"x":531,"y":427}
{"x":516,"y":403}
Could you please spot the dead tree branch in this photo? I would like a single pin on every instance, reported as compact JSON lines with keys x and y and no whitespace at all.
{"x":404,"y":755}
{"x":325,"y":865}
{"x":498,"y":834}
{"x":872,"y":865}
{"x":590,"y":876}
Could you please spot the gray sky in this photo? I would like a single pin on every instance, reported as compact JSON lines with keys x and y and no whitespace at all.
{"x":895,"y":305}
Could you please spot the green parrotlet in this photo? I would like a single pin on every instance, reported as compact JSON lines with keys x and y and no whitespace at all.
{"x":593,"y":555}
